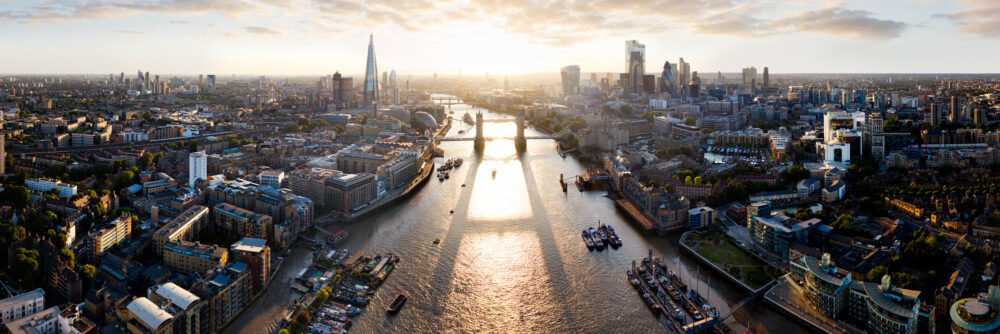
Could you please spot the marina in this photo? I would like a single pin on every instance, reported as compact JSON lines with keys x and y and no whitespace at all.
{"x":664,"y":293}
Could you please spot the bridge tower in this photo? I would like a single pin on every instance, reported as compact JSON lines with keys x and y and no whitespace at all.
{"x":520,"y":143}
{"x":480,"y":142}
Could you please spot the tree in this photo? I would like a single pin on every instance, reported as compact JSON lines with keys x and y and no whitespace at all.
{"x":690,"y":121}
{"x":577,"y":124}
{"x":123,"y":180}
{"x":697,"y":180}
{"x":17,"y":196}
{"x":661,"y":153}
{"x":688,"y":180}
{"x":796,"y":173}
{"x":284,"y":331}
{"x":67,"y":256}
{"x":26,"y":268}
{"x":87,"y":273}
{"x":146,"y":160}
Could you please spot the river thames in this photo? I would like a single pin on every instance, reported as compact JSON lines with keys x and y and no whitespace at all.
{"x":511,"y":258}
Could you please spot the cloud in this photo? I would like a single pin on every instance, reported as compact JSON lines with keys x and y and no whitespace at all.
{"x":980,"y":17}
{"x":131,"y":32}
{"x":838,"y":21}
{"x":261,"y":30}
{"x":833,"y":20}
{"x":548,"y":22}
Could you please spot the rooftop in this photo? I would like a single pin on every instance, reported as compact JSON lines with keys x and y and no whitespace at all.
{"x":177,"y":295}
{"x":150,"y":314}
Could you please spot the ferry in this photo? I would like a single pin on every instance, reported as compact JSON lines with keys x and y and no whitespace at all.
{"x":398,"y":303}
{"x":467,"y":118}
{"x":336,"y":237}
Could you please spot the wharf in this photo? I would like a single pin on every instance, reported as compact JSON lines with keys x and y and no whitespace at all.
{"x":635,"y":214}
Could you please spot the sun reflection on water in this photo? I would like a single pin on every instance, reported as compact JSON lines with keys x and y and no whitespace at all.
{"x":500,"y":280}
{"x":501,"y":197}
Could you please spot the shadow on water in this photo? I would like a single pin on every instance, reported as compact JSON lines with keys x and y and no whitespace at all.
{"x":444,"y":270}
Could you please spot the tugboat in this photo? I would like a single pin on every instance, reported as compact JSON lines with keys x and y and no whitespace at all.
{"x":437,"y":241}
{"x":586,"y":240}
{"x":398,"y":303}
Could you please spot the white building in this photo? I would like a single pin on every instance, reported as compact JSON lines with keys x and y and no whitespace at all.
{"x":43,"y":185}
{"x":842,"y":137}
{"x":22,"y":305}
{"x":44,"y":322}
{"x":272,"y":178}
{"x":197,"y":167}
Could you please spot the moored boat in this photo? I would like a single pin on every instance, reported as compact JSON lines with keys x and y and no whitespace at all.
{"x":586,"y":240}
{"x":398,"y":302}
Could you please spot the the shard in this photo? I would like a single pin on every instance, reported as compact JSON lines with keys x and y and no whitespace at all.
{"x":371,"y":86}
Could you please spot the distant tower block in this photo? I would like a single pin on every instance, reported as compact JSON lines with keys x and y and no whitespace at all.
{"x":480,"y":141}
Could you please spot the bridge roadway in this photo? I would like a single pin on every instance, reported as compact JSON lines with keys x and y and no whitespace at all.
{"x":492,"y":138}
{"x":77,"y":149}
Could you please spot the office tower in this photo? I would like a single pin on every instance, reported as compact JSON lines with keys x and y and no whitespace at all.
{"x":953,"y":108}
{"x":394,"y":87}
{"x":667,"y":80}
{"x":694,"y":87}
{"x":201,"y":79}
{"x":506,"y":84}
{"x":3,"y":153}
{"x":767,"y":77}
{"x":720,"y":80}
{"x":593,"y":78}
{"x":935,"y":117}
{"x":570,"y":79}
{"x":749,"y":74}
{"x":371,"y":87}
{"x":978,"y":117}
{"x":683,"y":72}
{"x":876,"y":136}
{"x":211,"y":83}
{"x":635,"y":64}
{"x":197,"y":167}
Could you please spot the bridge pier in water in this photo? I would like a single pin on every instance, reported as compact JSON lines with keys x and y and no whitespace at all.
{"x":480,"y":142}
{"x":520,"y":143}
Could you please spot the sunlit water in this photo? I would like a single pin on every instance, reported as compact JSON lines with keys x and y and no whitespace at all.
{"x":511,"y":258}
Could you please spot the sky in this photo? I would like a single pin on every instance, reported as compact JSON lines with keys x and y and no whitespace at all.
{"x":421,"y":37}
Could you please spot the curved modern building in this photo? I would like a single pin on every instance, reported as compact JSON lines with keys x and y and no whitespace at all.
{"x":423,"y":121}
{"x":977,"y":315}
